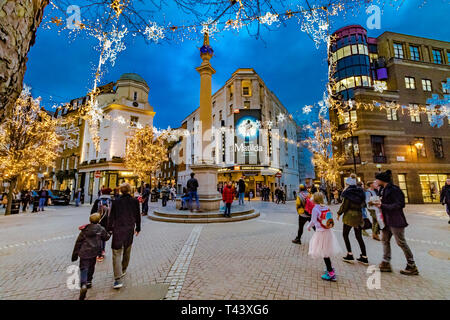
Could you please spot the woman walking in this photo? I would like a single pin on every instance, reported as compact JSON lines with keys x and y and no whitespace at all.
{"x":351,"y":208}
{"x":323,"y":243}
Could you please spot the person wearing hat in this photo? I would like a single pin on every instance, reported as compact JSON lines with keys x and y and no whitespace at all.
{"x":303,"y":215}
{"x":445,"y":196}
{"x":351,"y":209}
{"x":391,"y":205}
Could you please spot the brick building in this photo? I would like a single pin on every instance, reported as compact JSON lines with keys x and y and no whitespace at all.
{"x":409,"y":70}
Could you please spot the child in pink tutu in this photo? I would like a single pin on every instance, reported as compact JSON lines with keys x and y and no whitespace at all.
{"x":323,"y":243}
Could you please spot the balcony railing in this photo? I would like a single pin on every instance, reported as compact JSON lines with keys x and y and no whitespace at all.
{"x":379,"y":159}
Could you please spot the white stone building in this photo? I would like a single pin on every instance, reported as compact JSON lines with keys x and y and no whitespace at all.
{"x":259,"y":157}
{"x":125,"y":107}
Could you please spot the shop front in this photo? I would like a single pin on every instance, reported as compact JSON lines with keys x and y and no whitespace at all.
{"x":431,"y":185}
{"x":255,"y":177}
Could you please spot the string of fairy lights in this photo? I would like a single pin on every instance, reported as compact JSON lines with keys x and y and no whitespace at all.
{"x":314,"y":21}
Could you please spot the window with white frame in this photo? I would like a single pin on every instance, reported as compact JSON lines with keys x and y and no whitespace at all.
{"x":414,"y":113}
{"x":414,"y":50}
{"x":426,"y":85}
{"x":437,"y":56}
{"x":398,"y":50}
{"x":391,"y":114}
{"x":410,"y":83}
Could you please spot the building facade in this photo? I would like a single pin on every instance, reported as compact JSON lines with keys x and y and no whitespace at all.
{"x":65,"y":174}
{"x":393,"y":70}
{"x":253,"y":136}
{"x":125,"y":107}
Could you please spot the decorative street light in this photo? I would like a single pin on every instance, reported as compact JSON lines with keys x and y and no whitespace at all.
{"x":419,"y":145}
{"x":379,"y":167}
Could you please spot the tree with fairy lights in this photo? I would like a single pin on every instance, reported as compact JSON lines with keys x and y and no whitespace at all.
{"x":28,"y":141}
{"x":145,"y":153}
{"x":326,"y":156}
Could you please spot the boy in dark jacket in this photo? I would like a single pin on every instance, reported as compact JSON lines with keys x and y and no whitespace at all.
{"x":88,"y":246}
{"x":391,"y":205}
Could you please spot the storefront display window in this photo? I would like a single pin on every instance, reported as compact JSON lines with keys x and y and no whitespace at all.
{"x":431,"y":186}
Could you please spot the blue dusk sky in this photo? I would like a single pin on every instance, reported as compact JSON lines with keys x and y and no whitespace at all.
{"x":286,"y":59}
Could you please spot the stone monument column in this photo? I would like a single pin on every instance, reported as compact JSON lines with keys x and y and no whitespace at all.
{"x":205,"y":170}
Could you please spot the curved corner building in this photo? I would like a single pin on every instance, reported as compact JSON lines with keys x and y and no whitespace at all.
{"x":349,"y":60}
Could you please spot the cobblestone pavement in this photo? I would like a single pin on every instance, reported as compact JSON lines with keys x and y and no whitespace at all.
{"x":252,"y":259}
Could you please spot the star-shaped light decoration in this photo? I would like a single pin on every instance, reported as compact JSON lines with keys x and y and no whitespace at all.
{"x":307,"y":109}
{"x":281,"y":117}
{"x":269,"y":124}
{"x":120,"y":119}
{"x":154,"y":32}
{"x":438,"y":108}
{"x":269,"y":18}
{"x":379,"y":86}
{"x":209,"y":27}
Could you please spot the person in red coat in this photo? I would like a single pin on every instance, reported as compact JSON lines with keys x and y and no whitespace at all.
{"x":227,"y":197}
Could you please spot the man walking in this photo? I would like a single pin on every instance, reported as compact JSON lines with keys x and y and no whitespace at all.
{"x":391,"y":205}
{"x":145,"y":197}
{"x":192,"y":186}
{"x":165,"y":192}
{"x":241,"y":190}
{"x":42,"y":198}
{"x":445,"y":197}
{"x":125,"y":220}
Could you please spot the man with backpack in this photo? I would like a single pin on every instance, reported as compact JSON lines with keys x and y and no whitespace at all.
{"x":102,"y":206}
{"x":304,"y":208}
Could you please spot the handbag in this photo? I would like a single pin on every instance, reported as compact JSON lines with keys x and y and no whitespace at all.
{"x":367,"y":224}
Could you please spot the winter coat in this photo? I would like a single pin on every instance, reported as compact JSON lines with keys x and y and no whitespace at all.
{"x":89,"y":242}
{"x":445,"y":195}
{"x":392,"y":204}
{"x":301,"y":203}
{"x":165,"y":191}
{"x":125,"y":218}
{"x":145,"y":195}
{"x":241,"y":186}
{"x":192,"y":185}
{"x":227,"y":195}
{"x":354,"y":199}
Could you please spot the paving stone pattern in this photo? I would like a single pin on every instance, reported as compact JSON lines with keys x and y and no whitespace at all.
{"x":252,"y":259}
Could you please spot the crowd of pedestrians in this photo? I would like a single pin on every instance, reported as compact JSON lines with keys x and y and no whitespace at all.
{"x":382,"y":201}
{"x":377,"y":206}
